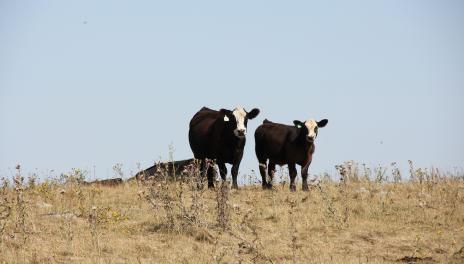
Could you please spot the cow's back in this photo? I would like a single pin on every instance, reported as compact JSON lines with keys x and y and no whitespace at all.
{"x":271,"y":139}
{"x":203,"y":116}
{"x":200,"y":131}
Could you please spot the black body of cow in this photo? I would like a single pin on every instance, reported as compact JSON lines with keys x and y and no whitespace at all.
{"x":283,"y":144}
{"x":212,"y":137}
{"x":106,"y":182}
{"x":162,"y":169}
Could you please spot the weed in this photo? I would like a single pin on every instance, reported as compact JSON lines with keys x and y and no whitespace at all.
{"x":223,"y":207}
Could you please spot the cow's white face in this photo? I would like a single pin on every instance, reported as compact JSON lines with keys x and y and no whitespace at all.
{"x":237,"y":120}
{"x":240,"y":116}
{"x":311,"y":126}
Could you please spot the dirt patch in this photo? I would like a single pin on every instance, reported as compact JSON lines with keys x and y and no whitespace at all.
{"x":458,"y":256}
{"x":202,"y":235}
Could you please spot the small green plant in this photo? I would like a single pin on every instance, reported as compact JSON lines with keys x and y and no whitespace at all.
{"x":46,"y":190}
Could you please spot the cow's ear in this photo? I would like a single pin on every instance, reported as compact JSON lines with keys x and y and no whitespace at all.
{"x":322,"y":123}
{"x":253,"y":113}
{"x":224,"y":113}
{"x":298,"y":124}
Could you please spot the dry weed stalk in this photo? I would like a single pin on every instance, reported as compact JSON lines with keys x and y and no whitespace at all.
{"x":380,"y":175}
{"x":349,"y":171}
{"x":168,"y":193}
{"x":5,"y":208}
{"x":192,"y":213}
{"x":223,"y":207}
{"x":118,"y":171}
{"x":94,"y":230}
{"x":331,"y":211}
{"x":293,"y":231}
{"x":396,"y":174}
{"x":31,"y":181}
{"x":21,"y":210}
{"x":255,"y":246}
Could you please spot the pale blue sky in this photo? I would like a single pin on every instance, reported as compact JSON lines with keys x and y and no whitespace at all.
{"x":87,"y":83}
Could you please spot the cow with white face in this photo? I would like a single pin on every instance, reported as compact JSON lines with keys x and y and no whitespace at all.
{"x":241,"y":119}
{"x":286,"y":145}
{"x":220,"y":136}
{"x":311,"y":126}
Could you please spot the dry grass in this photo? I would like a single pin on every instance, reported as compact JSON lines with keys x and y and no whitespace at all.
{"x":354,"y":221}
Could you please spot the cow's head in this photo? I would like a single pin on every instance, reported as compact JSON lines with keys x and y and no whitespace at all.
{"x":309,"y":128}
{"x":237,"y":120}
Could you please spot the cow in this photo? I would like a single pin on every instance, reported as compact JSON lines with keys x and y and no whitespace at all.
{"x":219,"y":136}
{"x":162,"y":169}
{"x":285,"y":144}
{"x":105,"y":182}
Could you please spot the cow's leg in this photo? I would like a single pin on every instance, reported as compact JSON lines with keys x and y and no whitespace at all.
{"x":292,"y":172}
{"x":211,"y":171}
{"x":262,"y":171}
{"x":202,"y":168}
{"x":304,"y":175}
{"x":222,"y":170}
{"x":202,"y":174}
{"x":271,"y":172}
{"x":234,"y":172}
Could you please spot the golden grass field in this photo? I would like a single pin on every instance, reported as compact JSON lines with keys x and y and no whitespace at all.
{"x":352,"y":221}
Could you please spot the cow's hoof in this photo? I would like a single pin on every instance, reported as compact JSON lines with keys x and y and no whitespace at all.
{"x":292,"y":188}
{"x":267,"y":186}
{"x":210,"y":186}
{"x":305,"y":188}
{"x":235,"y":186}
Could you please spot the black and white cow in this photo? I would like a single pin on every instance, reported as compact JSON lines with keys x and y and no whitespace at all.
{"x":220,"y":136}
{"x":284,"y":144}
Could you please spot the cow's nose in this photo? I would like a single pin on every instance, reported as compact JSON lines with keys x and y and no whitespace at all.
{"x":310,"y":139}
{"x":241,"y":132}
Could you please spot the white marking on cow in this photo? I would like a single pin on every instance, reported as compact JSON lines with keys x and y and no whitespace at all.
{"x":311,"y":125}
{"x":240,"y":116}
{"x":263,"y":165}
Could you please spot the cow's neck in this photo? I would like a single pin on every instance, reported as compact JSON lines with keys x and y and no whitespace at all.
{"x":302,"y":142}
{"x":229,"y":139}
{"x":233,"y":140}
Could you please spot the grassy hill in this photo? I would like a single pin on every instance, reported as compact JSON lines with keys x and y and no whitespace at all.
{"x":357,"y":220}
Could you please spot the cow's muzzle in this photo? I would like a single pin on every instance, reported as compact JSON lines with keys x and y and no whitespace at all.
{"x":240,"y":133}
